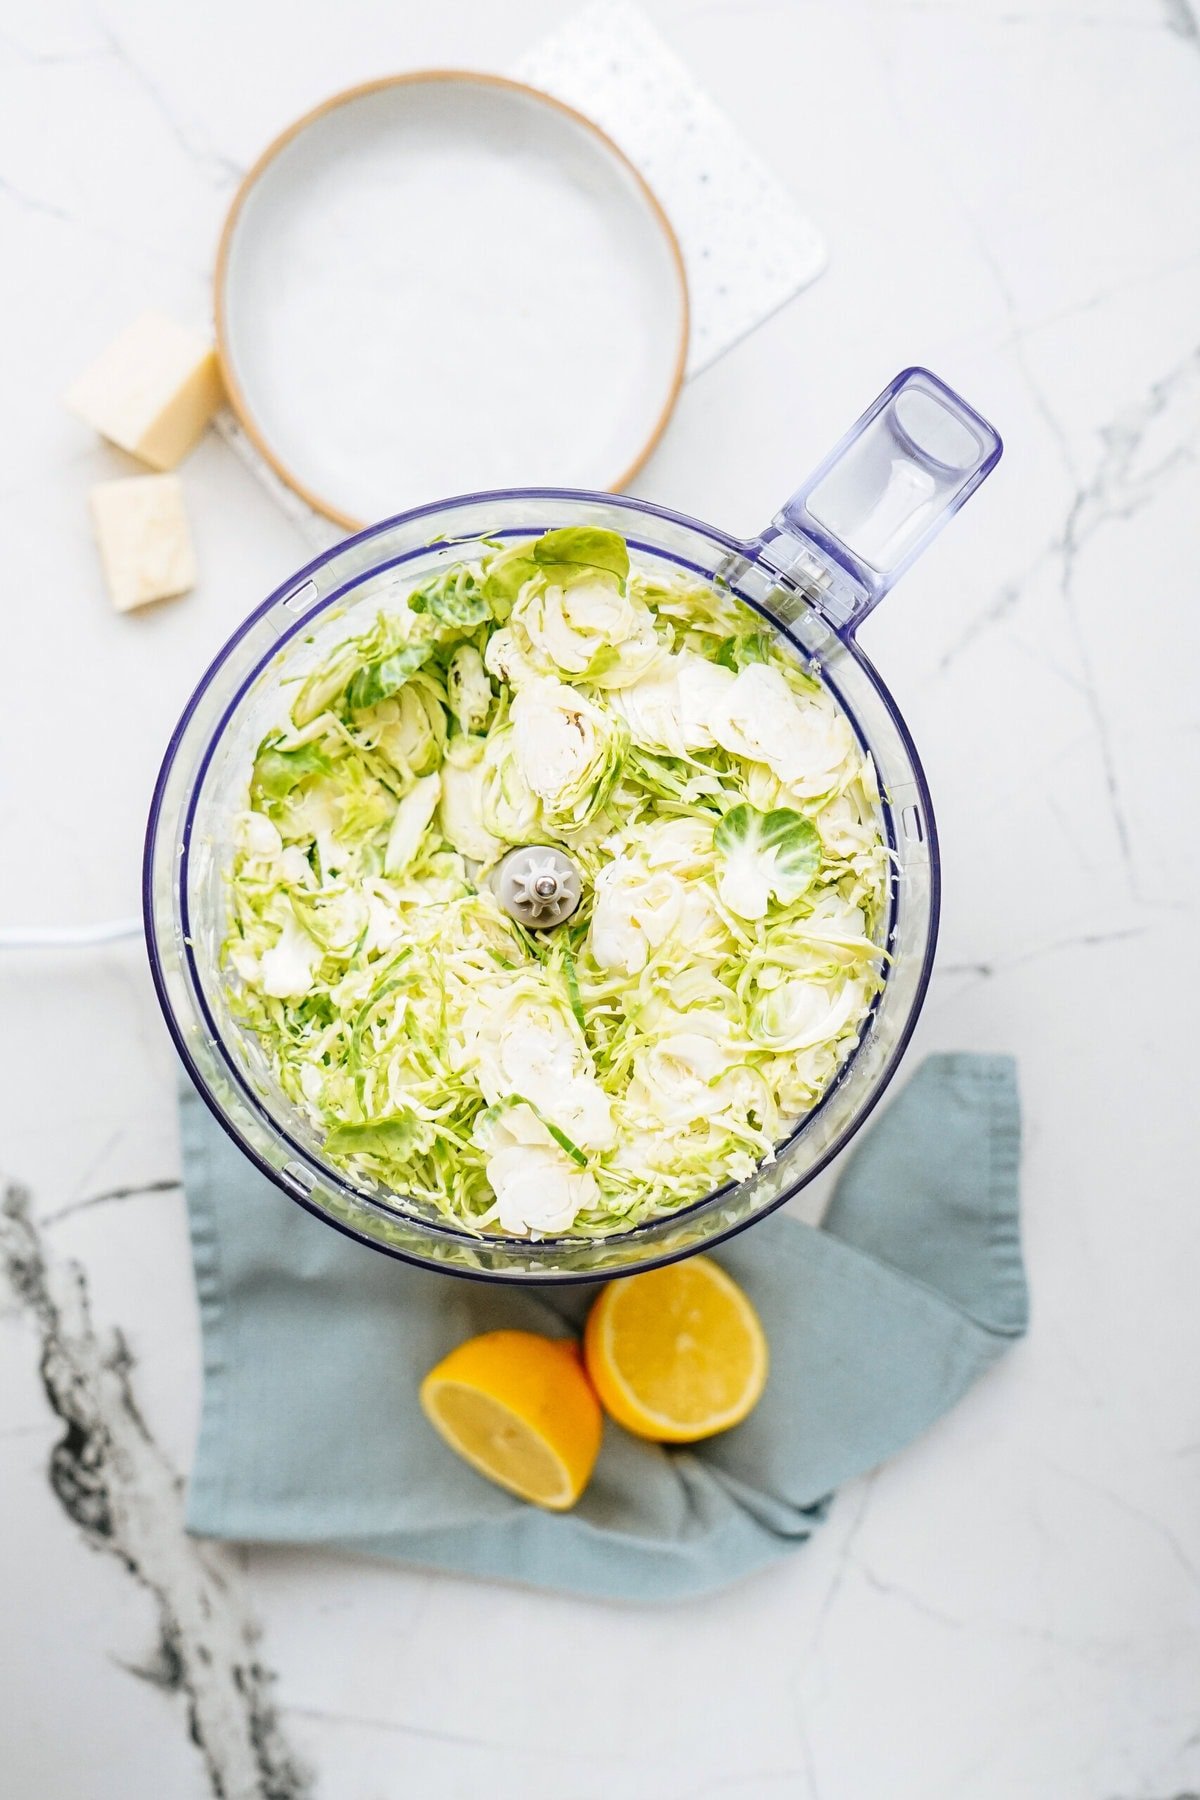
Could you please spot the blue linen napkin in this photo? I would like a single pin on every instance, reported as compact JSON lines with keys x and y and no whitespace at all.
{"x":878,"y":1322}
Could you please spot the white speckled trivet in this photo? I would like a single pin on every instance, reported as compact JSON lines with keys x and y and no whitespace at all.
{"x":746,"y":244}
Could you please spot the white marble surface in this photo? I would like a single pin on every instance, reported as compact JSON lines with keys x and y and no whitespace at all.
{"x":1010,"y":1609}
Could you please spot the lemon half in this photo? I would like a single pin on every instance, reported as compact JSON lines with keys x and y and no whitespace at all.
{"x":519,"y":1408}
{"x":676,"y":1354}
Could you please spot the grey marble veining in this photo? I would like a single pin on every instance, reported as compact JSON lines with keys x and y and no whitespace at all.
{"x":116,"y":1486}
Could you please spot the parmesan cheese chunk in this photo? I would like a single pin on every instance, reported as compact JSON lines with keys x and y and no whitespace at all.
{"x":145,"y":544}
{"x":152,"y":391}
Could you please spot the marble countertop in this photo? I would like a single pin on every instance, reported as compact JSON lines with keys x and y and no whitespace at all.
{"x":1012,"y":1607}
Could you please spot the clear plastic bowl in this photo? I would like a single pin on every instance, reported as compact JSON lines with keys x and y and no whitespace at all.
{"x":202,"y":786}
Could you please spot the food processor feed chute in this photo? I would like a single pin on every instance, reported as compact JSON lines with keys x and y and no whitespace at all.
{"x":880,"y":497}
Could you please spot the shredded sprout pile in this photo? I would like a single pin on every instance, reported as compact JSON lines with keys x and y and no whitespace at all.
{"x":724,"y":819}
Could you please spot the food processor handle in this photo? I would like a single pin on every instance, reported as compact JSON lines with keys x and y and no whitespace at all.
{"x":881,"y":495}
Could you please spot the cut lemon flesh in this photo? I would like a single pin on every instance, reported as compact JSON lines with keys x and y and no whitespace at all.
{"x":519,"y":1409}
{"x":676,"y":1354}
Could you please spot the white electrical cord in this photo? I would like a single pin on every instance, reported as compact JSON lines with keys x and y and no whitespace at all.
{"x":67,"y":937}
{"x":321,"y":534}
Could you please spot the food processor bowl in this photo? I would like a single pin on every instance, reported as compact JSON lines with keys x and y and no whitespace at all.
{"x":828,"y":557}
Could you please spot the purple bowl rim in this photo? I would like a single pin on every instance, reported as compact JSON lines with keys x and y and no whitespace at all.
{"x":748,"y":549}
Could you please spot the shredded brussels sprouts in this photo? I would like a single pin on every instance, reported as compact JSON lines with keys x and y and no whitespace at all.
{"x":725,"y":821}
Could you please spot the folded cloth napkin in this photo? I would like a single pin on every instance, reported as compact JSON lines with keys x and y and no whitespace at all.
{"x":314,"y":1347}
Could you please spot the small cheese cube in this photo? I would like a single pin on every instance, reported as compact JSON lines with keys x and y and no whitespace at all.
{"x":145,"y":544}
{"x":152,"y":391}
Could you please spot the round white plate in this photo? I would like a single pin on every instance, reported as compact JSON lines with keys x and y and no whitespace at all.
{"x":444,"y":282}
